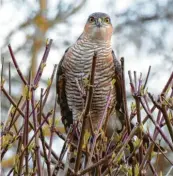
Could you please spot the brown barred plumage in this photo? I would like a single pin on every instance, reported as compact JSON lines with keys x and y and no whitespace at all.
{"x":74,"y":70}
{"x":73,"y":74}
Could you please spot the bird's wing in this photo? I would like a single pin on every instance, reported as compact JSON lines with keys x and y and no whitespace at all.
{"x":118,"y":87}
{"x":66,"y":113}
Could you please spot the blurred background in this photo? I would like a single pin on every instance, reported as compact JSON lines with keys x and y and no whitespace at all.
{"x":142,"y":34}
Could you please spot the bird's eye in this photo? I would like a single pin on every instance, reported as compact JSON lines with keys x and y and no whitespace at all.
{"x":91,"y":19}
{"x":107,"y":20}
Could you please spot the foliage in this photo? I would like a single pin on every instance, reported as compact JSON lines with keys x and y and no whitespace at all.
{"x":103,"y":155}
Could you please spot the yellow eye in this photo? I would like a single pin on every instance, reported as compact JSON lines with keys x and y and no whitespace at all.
{"x":107,"y":20}
{"x":91,"y":19}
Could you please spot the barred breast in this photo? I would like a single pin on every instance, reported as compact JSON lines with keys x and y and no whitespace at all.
{"x":77,"y":67}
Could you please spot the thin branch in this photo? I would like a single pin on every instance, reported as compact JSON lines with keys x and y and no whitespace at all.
{"x":105,"y":159}
{"x":165,"y":115}
{"x":124,"y":97}
{"x":16,"y":65}
{"x":42,"y":63}
{"x":146,"y":80}
{"x":86,"y":112}
{"x":9,"y":69}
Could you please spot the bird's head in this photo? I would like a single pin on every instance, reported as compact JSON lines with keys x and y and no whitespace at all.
{"x":98,"y":27}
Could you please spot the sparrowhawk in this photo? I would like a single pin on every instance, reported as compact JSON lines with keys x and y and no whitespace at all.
{"x":74,"y":69}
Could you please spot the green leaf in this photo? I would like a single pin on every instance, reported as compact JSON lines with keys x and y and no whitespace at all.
{"x":2,"y":83}
{"x":119,"y":158}
{"x":31,"y":146}
{"x":42,"y":66}
{"x":86,"y":82}
{"x":27,"y":94}
{"x":136,"y":169}
{"x":49,"y":82}
{"x":137,"y":142}
{"x":133,"y":106}
{"x":113,"y":81}
{"x":57,"y":121}
{"x":87,"y":135}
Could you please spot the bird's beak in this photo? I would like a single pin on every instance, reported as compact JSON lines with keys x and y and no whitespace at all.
{"x":99,"y":22}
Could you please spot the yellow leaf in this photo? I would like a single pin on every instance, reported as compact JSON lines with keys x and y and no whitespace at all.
{"x":57,"y":121}
{"x":86,"y":81}
{"x":136,"y":169}
{"x":133,"y":106}
{"x":75,"y":152}
{"x":2,"y":83}
{"x":49,"y":82}
{"x":113,"y":155}
{"x":113,"y":81}
{"x":87,"y":135}
{"x":31,"y":146}
{"x":6,"y":140}
{"x":137,"y":142}
{"x":27,"y":94}
{"x":160,"y":173}
{"x":42,"y":66}
{"x":47,"y":42}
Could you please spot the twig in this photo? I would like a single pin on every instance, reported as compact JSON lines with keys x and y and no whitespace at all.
{"x":16,"y":65}
{"x":124,"y":97}
{"x":42,"y":63}
{"x":163,"y":92}
{"x":2,"y":71}
{"x":146,"y":80}
{"x":85,"y":112}
{"x":49,"y":86}
{"x":42,"y":137}
{"x":37,"y":150}
{"x":165,"y":115}
{"x":157,"y":126}
{"x":9,"y":67}
{"x":99,"y":127}
{"x":135,"y":80}
{"x":105,"y":159}
{"x":63,"y":150}
{"x":26,"y":131}
{"x":13,"y":120}
{"x":136,"y":95}
{"x":52,"y":130}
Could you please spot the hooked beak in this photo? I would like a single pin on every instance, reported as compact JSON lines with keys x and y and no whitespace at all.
{"x":99,"y":22}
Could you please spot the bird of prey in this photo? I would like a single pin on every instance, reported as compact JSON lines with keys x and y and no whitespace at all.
{"x":74,"y":69}
{"x":72,"y":79}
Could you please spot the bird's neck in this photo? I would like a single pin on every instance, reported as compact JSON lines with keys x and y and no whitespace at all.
{"x":97,"y":41}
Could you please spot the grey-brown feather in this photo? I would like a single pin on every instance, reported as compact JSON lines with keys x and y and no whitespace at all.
{"x":76,"y":65}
